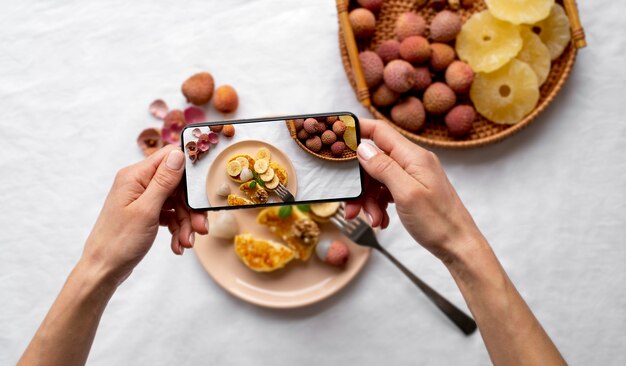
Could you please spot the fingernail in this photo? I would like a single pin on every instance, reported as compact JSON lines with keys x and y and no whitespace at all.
{"x":175,"y":160}
{"x":182,"y":250}
{"x":366,"y":151}
{"x":192,"y":238}
{"x":206,"y":224}
{"x":369,"y":217}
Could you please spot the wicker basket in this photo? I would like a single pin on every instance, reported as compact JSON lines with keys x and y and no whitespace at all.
{"x":435,"y":133}
{"x":325,"y":154}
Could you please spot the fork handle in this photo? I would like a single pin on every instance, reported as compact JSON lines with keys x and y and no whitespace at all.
{"x":458,"y":317}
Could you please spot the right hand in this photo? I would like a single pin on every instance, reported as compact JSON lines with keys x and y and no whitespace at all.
{"x":412,"y":177}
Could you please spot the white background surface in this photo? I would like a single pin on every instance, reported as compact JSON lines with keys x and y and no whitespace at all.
{"x":76,"y":78}
{"x":317,"y":179}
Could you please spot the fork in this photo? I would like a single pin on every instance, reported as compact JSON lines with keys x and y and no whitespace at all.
{"x":361,"y":233}
{"x":283,"y":193}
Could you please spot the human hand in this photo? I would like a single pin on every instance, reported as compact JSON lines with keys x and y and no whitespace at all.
{"x":400,"y":171}
{"x":143,"y":196}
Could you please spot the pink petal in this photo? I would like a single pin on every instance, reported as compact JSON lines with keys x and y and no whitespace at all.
{"x":158,"y":109}
{"x":191,"y":147}
{"x":194,"y":115}
{"x":214,"y":138}
{"x":196,"y":132}
{"x":149,"y":140}
{"x":203,"y":143}
{"x":171,"y":136}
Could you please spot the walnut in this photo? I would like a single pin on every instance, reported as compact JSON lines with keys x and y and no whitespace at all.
{"x":306,"y":230}
{"x":261,"y":195}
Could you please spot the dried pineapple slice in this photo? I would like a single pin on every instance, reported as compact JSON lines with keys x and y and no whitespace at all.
{"x":554,"y":31}
{"x":507,"y":95}
{"x":487,"y":43}
{"x":535,"y":54}
{"x":520,"y":11}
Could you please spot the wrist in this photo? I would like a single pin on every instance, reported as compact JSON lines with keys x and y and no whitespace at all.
{"x":94,"y":277}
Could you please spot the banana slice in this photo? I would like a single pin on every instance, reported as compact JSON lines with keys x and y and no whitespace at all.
{"x":268,"y":175}
{"x":263,"y":154}
{"x":325,"y":210}
{"x":261,"y":165}
{"x":243,"y":161}
{"x":233,"y":168}
{"x":273,"y":183}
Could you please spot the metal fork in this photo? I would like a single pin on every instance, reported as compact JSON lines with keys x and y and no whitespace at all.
{"x":283,"y":193}
{"x":361,"y":233}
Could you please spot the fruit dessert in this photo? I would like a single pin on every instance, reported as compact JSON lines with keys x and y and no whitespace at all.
{"x":334,"y":136}
{"x":262,"y":255}
{"x":239,"y":168}
{"x":299,"y":231}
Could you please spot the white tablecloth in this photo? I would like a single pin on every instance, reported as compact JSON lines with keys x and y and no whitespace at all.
{"x":75,"y":82}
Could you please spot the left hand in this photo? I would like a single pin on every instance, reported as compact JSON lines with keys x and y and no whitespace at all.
{"x":144,"y":196}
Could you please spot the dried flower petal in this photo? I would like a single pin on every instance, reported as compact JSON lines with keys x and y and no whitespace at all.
{"x":196,"y":132}
{"x":191,"y":146}
{"x":193,"y":156}
{"x":149,"y":140}
{"x":170,"y":136}
{"x":203,"y":143}
{"x":158,"y":109}
{"x":214,"y":138}
{"x":194,"y":115}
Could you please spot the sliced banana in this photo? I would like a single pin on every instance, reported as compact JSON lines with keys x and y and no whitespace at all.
{"x":326,"y":209}
{"x":263,"y":154}
{"x":261,"y":165}
{"x":268,"y":175}
{"x":233,"y":168}
{"x":273,"y":183}
{"x":243,"y":161}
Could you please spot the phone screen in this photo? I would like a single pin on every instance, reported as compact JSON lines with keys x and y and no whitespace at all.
{"x":272,"y":161}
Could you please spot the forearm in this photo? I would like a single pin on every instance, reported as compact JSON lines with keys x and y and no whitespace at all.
{"x":67,"y":332}
{"x":511,"y":333}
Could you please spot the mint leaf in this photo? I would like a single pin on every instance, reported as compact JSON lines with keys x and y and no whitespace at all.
{"x":304,"y":208}
{"x":253,"y":184}
{"x":285,"y":212}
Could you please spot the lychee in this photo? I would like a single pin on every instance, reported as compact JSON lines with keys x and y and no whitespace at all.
{"x":372,"y":68}
{"x":198,"y":89}
{"x":298,"y":123}
{"x":314,"y":144}
{"x":339,"y":128}
{"x":310,"y":125}
{"x":384,"y":97}
{"x":331,"y":119}
{"x":442,"y":56}
{"x":372,"y":5}
{"x":459,"y":120}
{"x":303,"y":135}
{"x":320,"y":127}
{"x":409,"y":24}
{"x":439,"y":99}
{"x":423,"y":79}
{"x":328,"y":137}
{"x":409,"y":114}
{"x":363,"y":23}
{"x":389,"y":50}
{"x":415,"y":49}
{"x":335,"y":253}
{"x":228,"y":130}
{"x":399,"y":76}
{"x":337,"y":148}
{"x":225,"y":99}
{"x":445,"y":26}
{"x":459,"y":77}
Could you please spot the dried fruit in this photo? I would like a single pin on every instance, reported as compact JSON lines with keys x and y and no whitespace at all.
{"x":535,"y":54}
{"x":196,"y":132}
{"x":203,"y":143}
{"x":198,"y":89}
{"x":520,"y":11}
{"x":554,"y":31}
{"x":399,"y":76}
{"x":409,"y":114}
{"x":442,"y":56}
{"x":338,"y":148}
{"x":228,"y":130}
{"x":226,"y":99}
{"x":214,"y":138}
{"x":339,"y":128}
{"x":389,"y":50}
{"x":487,"y":43}
{"x":349,"y":137}
{"x":384,"y":97}
{"x":372,"y":68}
{"x":194,"y":115}
{"x":372,"y":5}
{"x":314,"y":144}
{"x":409,"y":24}
{"x":328,"y":137}
{"x":459,"y":77}
{"x":149,"y":141}
{"x":158,"y":109}
{"x":445,"y":26}
{"x":423,"y":79}
{"x":439,"y":99}
{"x":335,"y":253}
{"x":506,"y":95}
{"x":363,"y":23}
{"x":415,"y":49}
{"x":460,"y":119}
{"x":310,"y":125}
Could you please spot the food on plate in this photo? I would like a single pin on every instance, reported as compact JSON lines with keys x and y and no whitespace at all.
{"x":409,"y":24}
{"x":263,"y":154}
{"x":262,"y":255}
{"x":223,"y":190}
{"x":233,"y":168}
{"x":234,"y":200}
{"x":445,"y":26}
{"x":459,"y":77}
{"x":439,"y":99}
{"x":506,"y":95}
{"x":226,"y":99}
{"x":321,"y":212}
{"x":372,"y":67}
{"x":399,"y":76}
{"x":255,"y":192}
{"x":335,"y":253}
{"x":535,"y":54}
{"x":261,"y":166}
{"x":198,"y":89}
{"x":554,"y":31}
{"x":520,"y":11}
{"x":246,"y":174}
{"x":243,"y":160}
{"x":224,"y":226}
{"x":228,"y":130}
{"x":363,"y":23}
{"x":294,"y":227}
{"x":236,"y":164}
{"x":272,"y":184}
{"x":460,"y":119}
{"x":409,"y":114}
{"x":280,"y":172}
{"x":268,"y":175}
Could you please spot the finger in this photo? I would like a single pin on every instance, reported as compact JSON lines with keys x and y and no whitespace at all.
{"x":199,"y":222}
{"x":165,"y":217}
{"x":165,"y":180}
{"x":175,"y":244}
{"x":385,"y":223}
{"x":145,"y":169}
{"x":353,"y":208}
{"x":373,"y":211}
{"x":186,"y":235}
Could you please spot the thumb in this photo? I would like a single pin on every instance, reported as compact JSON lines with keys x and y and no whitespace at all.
{"x":383,"y":168}
{"x":165,"y":180}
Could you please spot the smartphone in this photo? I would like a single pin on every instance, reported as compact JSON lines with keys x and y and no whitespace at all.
{"x":262,"y":162}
